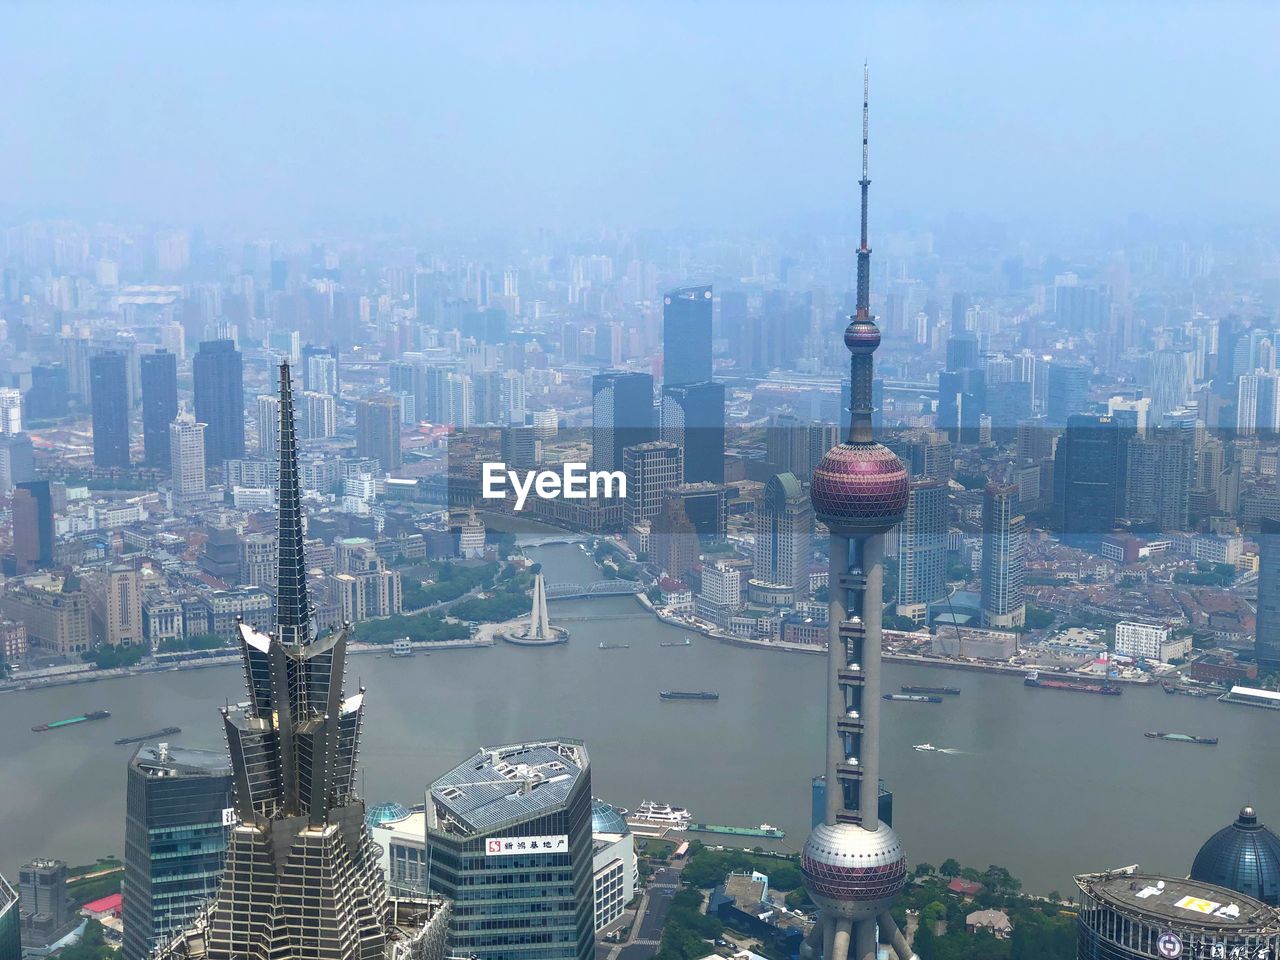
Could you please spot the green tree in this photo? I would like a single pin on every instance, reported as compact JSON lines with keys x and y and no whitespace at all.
{"x":950,"y":868}
{"x":924,"y":869}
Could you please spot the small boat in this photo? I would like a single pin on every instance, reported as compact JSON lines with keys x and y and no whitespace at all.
{"x":614,"y":646}
{"x":153,"y":735}
{"x":686,"y":642}
{"x":1171,"y":689}
{"x":651,"y":811}
{"x":949,"y":691}
{"x":402,"y":648}
{"x":71,"y":721}
{"x":688,"y":695}
{"x":910,"y":698}
{"x":1179,"y":737}
{"x":926,"y":748}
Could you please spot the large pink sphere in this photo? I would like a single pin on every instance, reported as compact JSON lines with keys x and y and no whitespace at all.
{"x":859,"y":488}
{"x":862,"y":336}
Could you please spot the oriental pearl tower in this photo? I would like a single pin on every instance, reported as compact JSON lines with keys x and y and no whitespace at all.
{"x":854,"y":866}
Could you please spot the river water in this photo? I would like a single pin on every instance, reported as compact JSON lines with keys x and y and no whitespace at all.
{"x":1046,"y":783}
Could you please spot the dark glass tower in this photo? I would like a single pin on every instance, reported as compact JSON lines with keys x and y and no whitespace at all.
{"x":218,"y":372}
{"x":622,"y":415}
{"x":693,"y":416}
{"x":49,"y":393}
{"x":159,"y":405}
{"x":109,"y":389}
{"x":37,"y":537}
{"x":686,"y":336}
{"x":1090,"y":465}
{"x":175,"y":841}
{"x":1266,"y":640}
{"x":853,"y":863}
{"x":301,"y":879}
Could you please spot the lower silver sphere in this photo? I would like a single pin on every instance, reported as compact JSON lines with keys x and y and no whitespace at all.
{"x":852,"y":872}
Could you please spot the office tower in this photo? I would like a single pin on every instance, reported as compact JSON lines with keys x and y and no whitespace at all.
{"x":514,"y":396}
{"x":1068,"y":392}
{"x":17,"y":461}
{"x":10,"y":923}
{"x":1243,"y":856}
{"x":175,"y":841}
{"x":42,"y":892}
{"x":1088,"y":476}
{"x":673,"y":541}
{"x":108,"y":386}
{"x":706,"y":505}
{"x":922,"y":549}
{"x":1080,"y":306}
{"x":49,"y":394}
{"x":218,"y":374}
{"x":487,"y":397}
{"x":962,"y":400}
{"x":509,"y":835}
{"x":692,"y":415}
{"x":268,"y":427}
{"x":186,"y":460}
{"x":318,"y":416}
{"x":159,"y":405}
{"x":1258,"y":405}
{"x":405,"y":376}
{"x":784,"y":532}
{"x":33,"y":532}
{"x":10,"y":411}
{"x":118,"y":608}
{"x":686,"y":336}
{"x":652,"y":470}
{"x":301,"y":878}
{"x":621,"y":416}
{"x":1172,"y":377}
{"x":1004,"y":544}
{"x":519,"y":447}
{"x":853,"y":864}
{"x":1266,"y":642}
{"x":1007,"y":403}
{"x":962,"y":350}
{"x":378,"y":431}
{"x":1130,"y":915}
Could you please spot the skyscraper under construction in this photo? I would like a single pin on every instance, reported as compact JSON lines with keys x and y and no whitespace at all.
{"x":853,"y":864}
{"x":301,"y":877}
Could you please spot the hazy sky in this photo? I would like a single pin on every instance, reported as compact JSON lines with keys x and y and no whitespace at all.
{"x":638,"y":114}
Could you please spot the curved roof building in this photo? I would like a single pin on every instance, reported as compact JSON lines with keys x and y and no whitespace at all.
{"x":1243,"y":856}
{"x":607,"y":819}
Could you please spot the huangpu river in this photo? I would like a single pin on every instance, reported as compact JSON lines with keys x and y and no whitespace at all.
{"x":1046,"y":783}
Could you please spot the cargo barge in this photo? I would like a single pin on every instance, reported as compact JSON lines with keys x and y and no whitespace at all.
{"x":688,"y":695}
{"x":71,"y":721}
{"x":766,"y":830}
{"x":1180,"y":738}
{"x":153,"y":735}
{"x":1105,"y":688}
{"x":910,"y":698}
{"x":948,"y":691}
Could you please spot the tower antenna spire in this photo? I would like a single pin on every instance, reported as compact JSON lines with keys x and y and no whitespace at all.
{"x":864,"y":251}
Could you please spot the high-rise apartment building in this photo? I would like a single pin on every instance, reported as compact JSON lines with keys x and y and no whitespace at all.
{"x":509,"y":842}
{"x":1068,"y":392}
{"x":922,"y":549}
{"x":268,"y":427}
{"x":686,"y":336}
{"x":622,"y":415}
{"x":1158,"y":479}
{"x":378,"y":431}
{"x":218,"y":375}
{"x":784,"y":535}
{"x":1004,"y":544}
{"x":652,"y":470}
{"x":109,"y":392}
{"x":10,"y":411}
{"x":186,"y":459}
{"x":159,"y":405}
{"x":319,"y":415}
{"x":301,"y":878}
{"x":178,"y":805}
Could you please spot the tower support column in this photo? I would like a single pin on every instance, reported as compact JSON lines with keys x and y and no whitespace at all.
{"x":865,"y":940}
{"x":872,"y":615}
{"x":839,"y":612}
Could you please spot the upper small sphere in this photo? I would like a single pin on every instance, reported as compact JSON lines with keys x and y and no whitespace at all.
{"x":1243,"y":856}
{"x":862,"y":336}
{"x":854,"y":873}
{"x":860,"y":488}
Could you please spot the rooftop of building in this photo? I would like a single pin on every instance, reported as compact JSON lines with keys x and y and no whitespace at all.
{"x":1180,"y":903}
{"x":501,"y":786}
{"x":1243,"y":856}
{"x":606,"y":819}
{"x":173,"y":760}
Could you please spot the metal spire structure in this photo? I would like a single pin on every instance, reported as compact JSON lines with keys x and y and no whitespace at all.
{"x":854,"y":866}
{"x":293,"y":613}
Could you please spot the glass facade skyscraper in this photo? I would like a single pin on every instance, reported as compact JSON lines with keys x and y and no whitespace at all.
{"x":218,"y":377}
{"x":177,"y":806}
{"x":693,"y":416}
{"x":10,"y":923}
{"x":109,"y":402}
{"x":509,"y":841}
{"x":159,"y":405}
{"x":622,"y":415}
{"x":686,"y":336}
